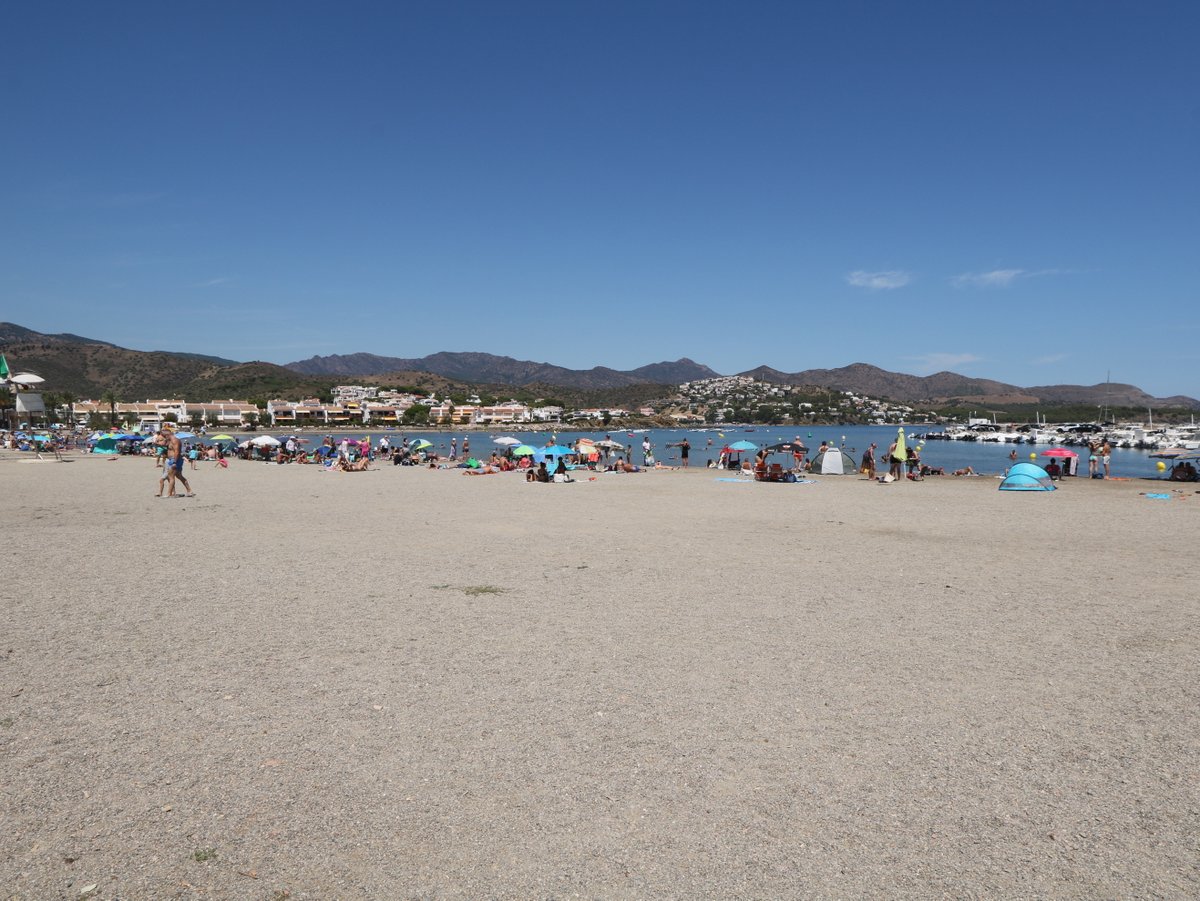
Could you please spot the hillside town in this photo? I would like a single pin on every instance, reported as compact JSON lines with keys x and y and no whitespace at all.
{"x":712,"y":401}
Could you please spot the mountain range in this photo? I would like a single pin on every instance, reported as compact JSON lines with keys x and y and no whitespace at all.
{"x":87,"y":367}
{"x":862,"y":378}
{"x":481,"y":367}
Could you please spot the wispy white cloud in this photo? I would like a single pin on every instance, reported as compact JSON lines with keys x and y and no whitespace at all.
{"x":1047,"y":359}
{"x":936,"y":361}
{"x":214,"y":282}
{"x":997,"y":278}
{"x":879,"y":281}
{"x":1000,"y":278}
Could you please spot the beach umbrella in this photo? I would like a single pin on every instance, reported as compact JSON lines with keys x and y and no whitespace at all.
{"x":523,"y":450}
{"x":554,"y":450}
{"x":1059,"y":452}
{"x":420,"y":445}
{"x":609,"y":444}
{"x":221,"y":437}
{"x":185,"y":434}
{"x":506,"y":441}
{"x":901,"y":452}
{"x":740,"y":446}
{"x":787,"y":447}
{"x":265,"y":441}
{"x":1189,"y":455}
{"x":1169,"y":454}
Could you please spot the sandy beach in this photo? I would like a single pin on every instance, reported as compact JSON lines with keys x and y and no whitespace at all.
{"x":413,"y":684}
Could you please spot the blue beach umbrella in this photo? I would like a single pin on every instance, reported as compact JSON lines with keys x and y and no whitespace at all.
{"x":743,"y":446}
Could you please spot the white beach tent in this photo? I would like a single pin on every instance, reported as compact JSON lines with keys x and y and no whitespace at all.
{"x":833,"y":461}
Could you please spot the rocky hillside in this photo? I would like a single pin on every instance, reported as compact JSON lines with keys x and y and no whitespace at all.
{"x":489,"y":368}
{"x":950,"y":387}
{"x":86,"y":367}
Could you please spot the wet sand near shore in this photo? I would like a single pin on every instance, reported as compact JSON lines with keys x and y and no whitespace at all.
{"x":411,"y":683}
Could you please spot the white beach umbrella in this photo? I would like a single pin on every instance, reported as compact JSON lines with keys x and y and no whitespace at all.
{"x":265,"y":441}
{"x":506,"y":441}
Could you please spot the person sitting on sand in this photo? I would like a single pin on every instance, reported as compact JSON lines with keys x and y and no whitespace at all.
{"x":343,"y":464}
{"x":1182,"y":472}
{"x":541,"y":474}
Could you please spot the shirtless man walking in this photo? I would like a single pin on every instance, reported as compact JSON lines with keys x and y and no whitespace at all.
{"x":172,"y":465}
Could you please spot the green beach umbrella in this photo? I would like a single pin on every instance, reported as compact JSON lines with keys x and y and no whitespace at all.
{"x":901,"y":450}
{"x":523,"y":450}
{"x":421,"y":445}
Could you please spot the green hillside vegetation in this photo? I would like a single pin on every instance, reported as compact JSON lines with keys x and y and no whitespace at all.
{"x":89,"y":370}
{"x":254,"y":382}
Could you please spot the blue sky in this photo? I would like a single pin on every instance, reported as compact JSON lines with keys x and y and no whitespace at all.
{"x":1007,"y":190}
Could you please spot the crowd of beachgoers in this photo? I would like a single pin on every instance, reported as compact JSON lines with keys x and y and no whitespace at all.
{"x":544,"y":462}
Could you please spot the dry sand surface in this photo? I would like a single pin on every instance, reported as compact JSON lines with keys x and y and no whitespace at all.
{"x":414,"y":684}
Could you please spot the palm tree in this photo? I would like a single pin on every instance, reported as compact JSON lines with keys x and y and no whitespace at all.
{"x":68,"y":401}
{"x":110,"y":397}
{"x":52,"y":402}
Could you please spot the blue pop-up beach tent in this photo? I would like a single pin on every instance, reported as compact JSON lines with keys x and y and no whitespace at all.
{"x":1027,"y":477}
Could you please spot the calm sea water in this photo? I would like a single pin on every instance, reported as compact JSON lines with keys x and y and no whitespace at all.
{"x":707,"y":444}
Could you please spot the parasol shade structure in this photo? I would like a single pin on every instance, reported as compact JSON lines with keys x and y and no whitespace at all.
{"x":787,"y":447}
